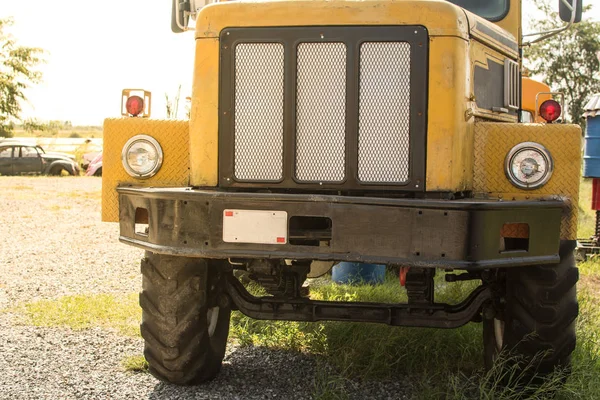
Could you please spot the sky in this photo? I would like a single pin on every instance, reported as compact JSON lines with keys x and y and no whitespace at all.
{"x":94,"y":49}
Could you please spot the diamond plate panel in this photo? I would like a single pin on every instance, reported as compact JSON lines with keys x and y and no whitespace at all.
{"x":384,"y":112}
{"x":258,"y":126}
{"x":493,"y":141}
{"x":173,"y":136}
{"x":321,"y":112}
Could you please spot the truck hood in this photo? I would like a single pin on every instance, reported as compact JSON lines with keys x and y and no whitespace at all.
{"x":441,"y":18}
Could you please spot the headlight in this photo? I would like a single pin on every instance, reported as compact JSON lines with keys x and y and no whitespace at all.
{"x":529,"y":165}
{"x":142,"y":156}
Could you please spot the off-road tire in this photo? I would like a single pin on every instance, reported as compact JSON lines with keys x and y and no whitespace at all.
{"x":539,"y":312}
{"x":177,"y":293}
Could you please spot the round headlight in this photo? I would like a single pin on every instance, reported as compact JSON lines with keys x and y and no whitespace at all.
{"x":529,"y":165}
{"x":142,"y":156}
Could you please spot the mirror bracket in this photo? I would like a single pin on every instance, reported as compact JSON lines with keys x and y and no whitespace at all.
{"x":575,"y":11}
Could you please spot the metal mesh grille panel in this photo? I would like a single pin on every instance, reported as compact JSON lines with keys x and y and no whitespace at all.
{"x":321,"y":112}
{"x":259,"y":80}
{"x":384,"y":112}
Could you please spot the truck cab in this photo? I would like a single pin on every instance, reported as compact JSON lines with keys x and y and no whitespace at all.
{"x":376,"y":131}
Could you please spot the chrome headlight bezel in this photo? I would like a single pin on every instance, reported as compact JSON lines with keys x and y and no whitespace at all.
{"x":539,"y":154}
{"x":159,"y":156}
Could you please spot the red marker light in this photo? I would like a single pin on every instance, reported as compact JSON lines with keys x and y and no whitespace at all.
{"x":134,"y":105}
{"x":550,"y":110}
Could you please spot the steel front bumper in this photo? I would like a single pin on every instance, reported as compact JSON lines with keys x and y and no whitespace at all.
{"x":435,"y":233}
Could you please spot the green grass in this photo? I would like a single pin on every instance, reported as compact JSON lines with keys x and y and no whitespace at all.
{"x":442,"y":364}
{"x":119,"y":312}
{"x":587,"y":217}
{"x":135,"y":363}
{"x":369,"y":351}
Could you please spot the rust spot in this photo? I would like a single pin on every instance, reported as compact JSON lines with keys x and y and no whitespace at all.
{"x":515,"y":230}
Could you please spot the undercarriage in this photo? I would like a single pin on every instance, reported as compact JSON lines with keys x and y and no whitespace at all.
{"x":419,"y":311}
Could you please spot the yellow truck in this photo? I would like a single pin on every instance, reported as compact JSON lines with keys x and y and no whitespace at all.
{"x":388,"y":132}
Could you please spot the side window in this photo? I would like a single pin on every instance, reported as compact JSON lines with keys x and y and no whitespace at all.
{"x":29,"y":152}
{"x":5,"y":152}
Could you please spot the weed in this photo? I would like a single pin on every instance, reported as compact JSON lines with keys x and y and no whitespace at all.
{"x":328,"y":385}
{"x":135,"y":363}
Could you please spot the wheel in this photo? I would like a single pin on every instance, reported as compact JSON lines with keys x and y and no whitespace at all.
{"x":56,"y":171}
{"x":184,"y":330}
{"x":60,"y":171}
{"x":537,"y":322}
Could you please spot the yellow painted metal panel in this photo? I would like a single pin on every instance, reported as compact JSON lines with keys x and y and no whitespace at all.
{"x":450,"y":121}
{"x":173,"y":137}
{"x":493,"y":141}
{"x":441,"y":18}
{"x":204,"y":122}
{"x":512,"y":22}
{"x":483,"y":56}
{"x":450,"y":132}
{"x":531,"y":89}
{"x":493,"y":35}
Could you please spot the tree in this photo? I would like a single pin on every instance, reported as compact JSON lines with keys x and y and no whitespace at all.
{"x":31,"y":124}
{"x":17,"y":72}
{"x":569,"y":61}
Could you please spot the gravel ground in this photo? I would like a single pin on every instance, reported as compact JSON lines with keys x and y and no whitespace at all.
{"x":52,"y":244}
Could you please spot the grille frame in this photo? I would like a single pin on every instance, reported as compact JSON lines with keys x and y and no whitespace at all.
{"x":353,"y":37}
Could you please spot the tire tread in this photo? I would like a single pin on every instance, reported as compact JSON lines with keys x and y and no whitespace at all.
{"x":174,"y":326}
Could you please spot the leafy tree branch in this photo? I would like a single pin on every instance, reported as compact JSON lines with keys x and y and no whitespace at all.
{"x":17,"y":73}
{"x":568,"y":62}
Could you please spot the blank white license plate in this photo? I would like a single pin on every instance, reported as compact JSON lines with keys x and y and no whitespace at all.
{"x":255,"y":226}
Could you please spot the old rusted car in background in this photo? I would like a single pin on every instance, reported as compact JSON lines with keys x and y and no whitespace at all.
{"x":18,"y":158}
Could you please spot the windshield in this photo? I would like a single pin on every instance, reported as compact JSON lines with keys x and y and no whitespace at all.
{"x":494,"y":10}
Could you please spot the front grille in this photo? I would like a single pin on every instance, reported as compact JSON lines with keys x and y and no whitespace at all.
{"x":259,"y":111}
{"x":334,"y":108}
{"x":321,"y":112}
{"x":384,"y":112}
